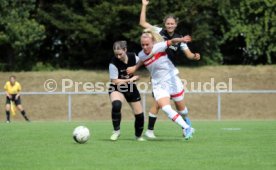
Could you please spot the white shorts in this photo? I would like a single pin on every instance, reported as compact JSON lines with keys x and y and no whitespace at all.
{"x":172,"y":88}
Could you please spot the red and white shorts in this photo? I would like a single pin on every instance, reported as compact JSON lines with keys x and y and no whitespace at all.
{"x":172,"y":88}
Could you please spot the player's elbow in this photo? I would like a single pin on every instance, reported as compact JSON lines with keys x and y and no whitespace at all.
{"x":143,"y":24}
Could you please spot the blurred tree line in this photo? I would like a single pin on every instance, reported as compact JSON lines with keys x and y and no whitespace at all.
{"x":74,"y":34}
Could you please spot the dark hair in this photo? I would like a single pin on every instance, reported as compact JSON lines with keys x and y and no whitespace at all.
{"x":170,"y":16}
{"x":12,"y":76}
{"x":118,"y":45}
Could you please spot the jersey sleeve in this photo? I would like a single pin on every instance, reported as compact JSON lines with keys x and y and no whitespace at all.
{"x":113,"y":72}
{"x":161,"y":46}
{"x":184,"y":46}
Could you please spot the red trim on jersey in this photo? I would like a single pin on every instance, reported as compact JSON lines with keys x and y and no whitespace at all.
{"x":175,"y":117}
{"x":178,"y":94}
{"x":154,"y":58}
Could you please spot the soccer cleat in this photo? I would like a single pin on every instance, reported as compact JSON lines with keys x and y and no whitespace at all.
{"x":8,"y":121}
{"x":140,"y":139}
{"x":115,"y":135}
{"x":188,"y":133}
{"x":193,"y":130}
{"x":150,"y":134}
{"x":27,"y":119}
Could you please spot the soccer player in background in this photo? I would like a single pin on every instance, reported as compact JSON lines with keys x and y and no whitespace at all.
{"x":12,"y":90}
{"x":165,"y":82}
{"x":123,"y":87}
{"x":170,"y":23}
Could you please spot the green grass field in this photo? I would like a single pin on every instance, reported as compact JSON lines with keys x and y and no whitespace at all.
{"x":216,"y":145}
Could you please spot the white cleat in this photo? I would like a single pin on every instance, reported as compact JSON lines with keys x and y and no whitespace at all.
{"x":187,"y":133}
{"x":140,"y":139}
{"x":193,"y":130}
{"x":115,"y":135}
{"x":150,"y":134}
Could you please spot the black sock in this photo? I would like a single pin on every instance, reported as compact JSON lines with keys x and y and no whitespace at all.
{"x":116,"y":120}
{"x":8,"y":115}
{"x":116,"y":114}
{"x":24,"y":115}
{"x":152,"y":121}
{"x":139,"y":124}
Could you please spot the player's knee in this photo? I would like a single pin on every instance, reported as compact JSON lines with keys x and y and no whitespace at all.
{"x":8,"y":108}
{"x":116,"y":106}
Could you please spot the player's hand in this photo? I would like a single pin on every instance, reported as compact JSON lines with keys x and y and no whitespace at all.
{"x":9,"y":96}
{"x":187,"y":39}
{"x":131,"y":70}
{"x":145,"y":2}
{"x":197,"y":56}
{"x":16,"y":97}
{"x":134,"y":78}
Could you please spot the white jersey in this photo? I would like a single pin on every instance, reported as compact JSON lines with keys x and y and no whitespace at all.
{"x":157,"y":62}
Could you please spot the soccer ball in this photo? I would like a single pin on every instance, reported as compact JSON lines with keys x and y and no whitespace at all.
{"x":81,"y":134}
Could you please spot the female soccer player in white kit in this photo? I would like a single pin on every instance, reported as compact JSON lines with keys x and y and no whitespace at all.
{"x":168,"y":32}
{"x":166,"y":84}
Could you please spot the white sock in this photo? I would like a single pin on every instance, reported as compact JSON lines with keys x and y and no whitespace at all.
{"x":172,"y":114}
{"x":183,"y":112}
{"x":152,"y":115}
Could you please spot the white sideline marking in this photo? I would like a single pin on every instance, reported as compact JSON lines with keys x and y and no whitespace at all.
{"x":231,"y":129}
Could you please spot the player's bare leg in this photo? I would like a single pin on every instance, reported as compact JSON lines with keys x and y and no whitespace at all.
{"x":164,"y":103}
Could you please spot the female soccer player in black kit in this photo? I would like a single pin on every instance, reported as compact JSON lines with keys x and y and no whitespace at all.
{"x":168,"y":33}
{"x":123,"y":86}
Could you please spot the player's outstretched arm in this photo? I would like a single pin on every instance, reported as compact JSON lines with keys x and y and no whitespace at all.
{"x":190,"y":55}
{"x":143,"y":20}
{"x":185,"y":39}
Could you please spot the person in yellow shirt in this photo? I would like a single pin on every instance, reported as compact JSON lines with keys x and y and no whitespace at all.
{"x":12,"y":89}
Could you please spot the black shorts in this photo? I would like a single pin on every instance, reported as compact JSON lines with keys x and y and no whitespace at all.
{"x":16,"y":102}
{"x":129,"y":91}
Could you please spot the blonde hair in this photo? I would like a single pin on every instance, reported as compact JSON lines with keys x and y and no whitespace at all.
{"x":150,"y":33}
{"x":120,"y":45}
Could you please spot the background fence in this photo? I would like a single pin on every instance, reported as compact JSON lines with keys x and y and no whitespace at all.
{"x":145,"y":94}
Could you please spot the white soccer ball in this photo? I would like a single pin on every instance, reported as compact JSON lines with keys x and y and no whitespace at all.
{"x":81,"y":134}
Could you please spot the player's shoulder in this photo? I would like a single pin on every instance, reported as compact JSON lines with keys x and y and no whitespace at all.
{"x":160,"y":44}
{"x":113,"y":60}
{"x":7,"y":84}
{"x":141,"y":53}
{"x":131,"y":54}
{"x":17,"y":83}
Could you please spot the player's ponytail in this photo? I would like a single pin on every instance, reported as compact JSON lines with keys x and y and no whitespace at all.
{"x":152,"y":34}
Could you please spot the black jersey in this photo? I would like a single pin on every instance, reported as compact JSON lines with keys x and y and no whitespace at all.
{"x":117,"y":70}
{"x":121,"y":66}
{"x":172,"y":50}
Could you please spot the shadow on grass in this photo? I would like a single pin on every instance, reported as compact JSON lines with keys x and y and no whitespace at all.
{"x":163,"y":139}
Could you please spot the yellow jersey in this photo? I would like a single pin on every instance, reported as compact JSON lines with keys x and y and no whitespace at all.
{"x":16,"y":88}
